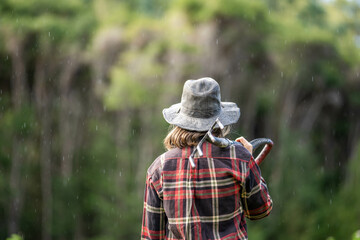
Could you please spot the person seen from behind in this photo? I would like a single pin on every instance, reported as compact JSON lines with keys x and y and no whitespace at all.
{"x":211,"y":200}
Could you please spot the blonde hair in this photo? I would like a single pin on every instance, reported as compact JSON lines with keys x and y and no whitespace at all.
{"x":180,"y":138}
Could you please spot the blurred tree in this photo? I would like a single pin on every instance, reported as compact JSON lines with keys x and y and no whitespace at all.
{"x":44,"y":25}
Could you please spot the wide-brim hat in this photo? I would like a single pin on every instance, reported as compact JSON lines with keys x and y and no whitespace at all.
{"x":200,"y":106}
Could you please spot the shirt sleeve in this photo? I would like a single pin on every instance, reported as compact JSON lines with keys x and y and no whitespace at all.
{"x":255,"y":197}
{"x":154,"y":218}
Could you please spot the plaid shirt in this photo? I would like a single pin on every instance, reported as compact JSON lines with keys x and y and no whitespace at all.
{"x":209,"y":201}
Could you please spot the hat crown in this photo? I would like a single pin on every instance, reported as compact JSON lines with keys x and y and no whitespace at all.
{"x":201,"y":98}
{"x":200,"y":106}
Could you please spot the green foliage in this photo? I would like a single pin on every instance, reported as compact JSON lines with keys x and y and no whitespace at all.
{"x":348,"y":198}
{"x":294,"y":192}
{"x":20,"y":121}
{"x":356,"y":235}
{"x":278,"y":59}
{"x":129,"y":92}
{"x":313,"y":14}
{"x":49,"y":20}
{"x":200,"y":11}
{"x":14,"y":237}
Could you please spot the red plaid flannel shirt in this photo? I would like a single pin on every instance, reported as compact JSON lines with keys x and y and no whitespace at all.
{"x":209,"y":201}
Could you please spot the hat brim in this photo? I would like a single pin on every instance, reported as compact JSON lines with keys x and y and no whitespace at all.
{"x":229,"y":114}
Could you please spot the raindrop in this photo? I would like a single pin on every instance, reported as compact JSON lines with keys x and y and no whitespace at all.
{"x":318,"y":226}
{"x":217,"y":41}
{"x":49,"y":34}
{"x":330,"y":201}
{"x":119,"y":174}
{"x":96,"y":128}
{"x":312,"y":78}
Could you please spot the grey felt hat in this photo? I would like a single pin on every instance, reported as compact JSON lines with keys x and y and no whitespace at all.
{"x":200,"y":106}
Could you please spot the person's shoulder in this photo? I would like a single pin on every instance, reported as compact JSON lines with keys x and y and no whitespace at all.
{"x":234,"y":151}
{"x":241,"y":152}
{"x":156,"y":166}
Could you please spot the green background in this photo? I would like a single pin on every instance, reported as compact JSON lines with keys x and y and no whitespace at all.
{"x":83,"y":84}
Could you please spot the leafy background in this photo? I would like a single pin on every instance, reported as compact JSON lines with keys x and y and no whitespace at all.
{"x":83,"y":83}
